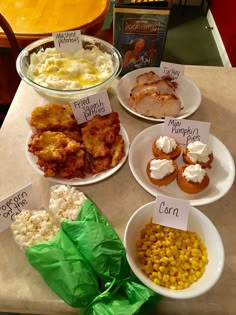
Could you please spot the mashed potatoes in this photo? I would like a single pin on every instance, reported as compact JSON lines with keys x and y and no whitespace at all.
{"x":70,"y":71}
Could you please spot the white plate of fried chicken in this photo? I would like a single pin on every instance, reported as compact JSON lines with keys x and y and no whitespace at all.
{"x":147,"y":94}
{"x":67,"y":153}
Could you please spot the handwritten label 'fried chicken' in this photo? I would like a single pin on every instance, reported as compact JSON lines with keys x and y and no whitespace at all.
{"x":86,"y":108}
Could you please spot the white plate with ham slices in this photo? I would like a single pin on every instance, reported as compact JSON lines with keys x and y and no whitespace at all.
{"x":147,"y":95}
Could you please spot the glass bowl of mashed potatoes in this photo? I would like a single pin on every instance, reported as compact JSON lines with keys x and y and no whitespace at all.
{"x":67,"y":76}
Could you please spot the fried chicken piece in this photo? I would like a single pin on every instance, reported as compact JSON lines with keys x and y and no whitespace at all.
{"x":72,"y":167}
{"x":117,"y":151}
{"x":58,"y":155}
{"x":100,"y":133}
{"x":54,"y":117}
{"x":76,"y":134}
{"x":101,"y":164}
{"x":53,"y":146}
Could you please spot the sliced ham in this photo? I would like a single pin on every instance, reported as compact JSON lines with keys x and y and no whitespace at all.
{"x":156,"y":105}
{"x":147,"y":77}
{"x":155,"y":96}
{"x":160,"y":86}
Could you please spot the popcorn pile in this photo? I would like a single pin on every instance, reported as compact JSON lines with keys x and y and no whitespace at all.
{"x":32,"y":227}
{"x":65,"y":202}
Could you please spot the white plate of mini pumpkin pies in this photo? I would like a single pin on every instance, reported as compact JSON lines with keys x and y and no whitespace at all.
{"x":145,"y":94}
{"x":221,"y":172}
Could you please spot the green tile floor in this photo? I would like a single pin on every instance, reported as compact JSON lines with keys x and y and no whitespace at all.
{"x":189,"y":40}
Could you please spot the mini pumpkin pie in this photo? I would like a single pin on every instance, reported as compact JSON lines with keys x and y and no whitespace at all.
{"x":192,"y":179}
{"x":161,"y":171}
{"x":198,"y":153}
{"x":166,"y":146}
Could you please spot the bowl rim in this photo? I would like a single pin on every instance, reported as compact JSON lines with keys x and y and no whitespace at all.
{"x":176,"y":294}
{"x":25,"y":52}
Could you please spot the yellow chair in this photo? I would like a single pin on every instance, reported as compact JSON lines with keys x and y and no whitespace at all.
{"x":9,"y":79}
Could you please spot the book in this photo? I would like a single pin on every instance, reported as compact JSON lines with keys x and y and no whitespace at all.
{"x":139,"y":33}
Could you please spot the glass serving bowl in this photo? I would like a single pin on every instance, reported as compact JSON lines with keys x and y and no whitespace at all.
{"x":65,"y":96}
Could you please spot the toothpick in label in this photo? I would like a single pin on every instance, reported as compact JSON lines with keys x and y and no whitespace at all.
{"x":186,"y":131}
{"x":174,"y":70}
{"x":86,"y":108}
{"x":14,"y":204}
{"x":171,"y":212}
{"x":70,"y":41}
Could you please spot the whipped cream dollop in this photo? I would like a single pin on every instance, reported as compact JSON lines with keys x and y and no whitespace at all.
{"x":194,"y":173}
{"x":166,"y":144}
{"x":68,"y":71}
{"x":198,"y":152}
{"x":160,"y":168}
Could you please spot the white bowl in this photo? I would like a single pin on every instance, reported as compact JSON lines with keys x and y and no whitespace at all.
{"x":65,"y":96}
{"x":199,"y":223}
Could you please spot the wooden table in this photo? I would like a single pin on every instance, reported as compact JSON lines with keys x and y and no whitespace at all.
{"x":32,"y":19}
{"x":23,"y":290}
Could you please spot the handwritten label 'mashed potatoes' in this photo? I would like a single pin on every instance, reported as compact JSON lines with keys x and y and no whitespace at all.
{"x":171,"y":212}
{"x":69,"y":41}
{"x":86,"y":108}
{"x":186,"y":131}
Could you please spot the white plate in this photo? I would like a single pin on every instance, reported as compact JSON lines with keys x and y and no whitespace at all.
{"x":89,"y":179}
{"x":221,"y":173}
{"x":188,"y":92}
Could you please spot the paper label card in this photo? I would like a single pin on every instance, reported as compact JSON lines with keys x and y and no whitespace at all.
{"x":176,"y":71}
{"x":69,"y":41}
{"x":13,"y":205}
{"x":186,"y":131}
{"x":86,"y":108}
{"x":171,"y":212}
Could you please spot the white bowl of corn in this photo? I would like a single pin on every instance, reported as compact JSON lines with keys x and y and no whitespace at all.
{"x":174,"y":263}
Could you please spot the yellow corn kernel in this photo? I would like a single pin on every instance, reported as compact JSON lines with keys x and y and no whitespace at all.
{"x":140,"y":254}
{"x":157,"y":281}
{"x":159,"y":275}
{"x":162,"y":268}
{"x":171,"y":257}
{"x":168,"y":253}
{"x":148,"y":269}
{"x":165,"y":278}
{"x":156,"y":267}
{"x":172,"y":280}
{"x":148,"y":252}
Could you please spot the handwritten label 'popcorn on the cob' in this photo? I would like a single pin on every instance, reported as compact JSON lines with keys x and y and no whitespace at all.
{"x":14,"y":204}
